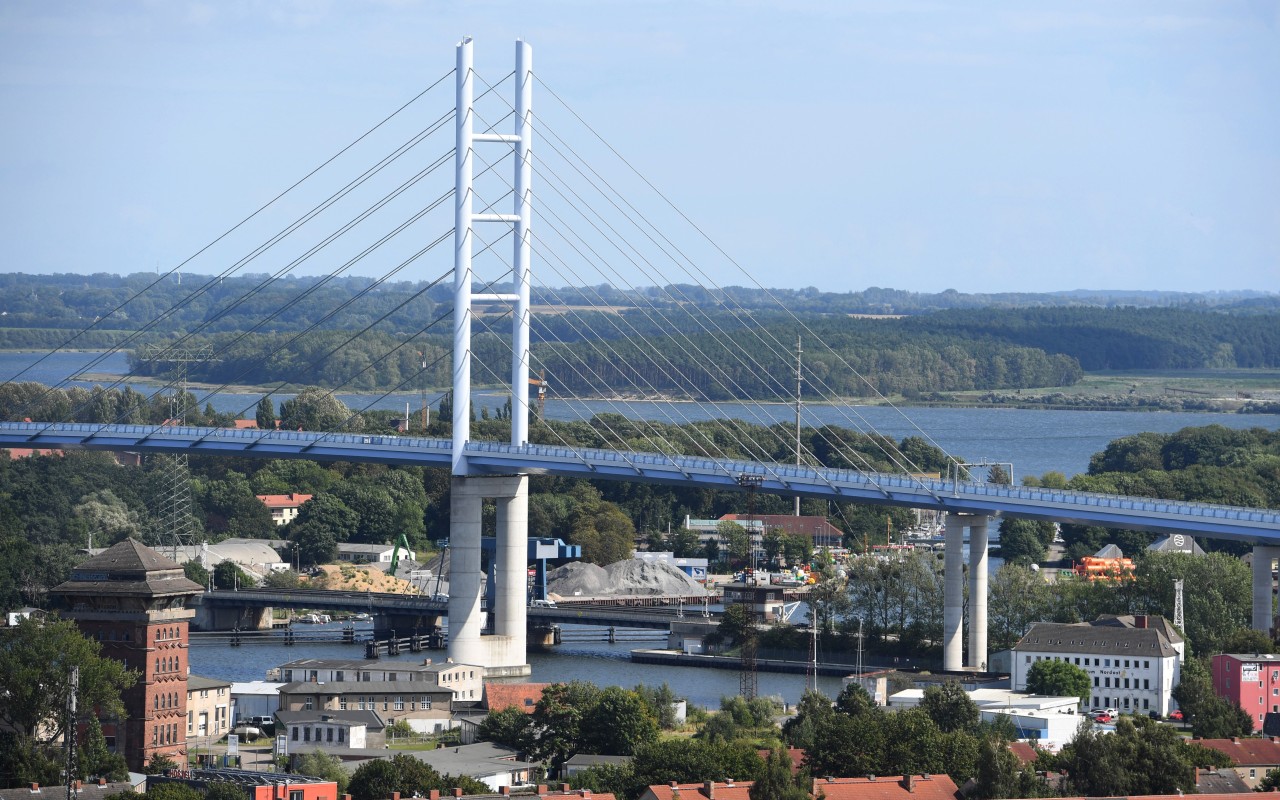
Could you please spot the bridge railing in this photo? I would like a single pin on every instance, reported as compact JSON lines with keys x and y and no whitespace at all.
{"x":785,"y":474}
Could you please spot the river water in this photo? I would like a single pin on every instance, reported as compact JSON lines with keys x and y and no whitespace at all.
{"x":600,"y":663}
{"x":1035,"y":441}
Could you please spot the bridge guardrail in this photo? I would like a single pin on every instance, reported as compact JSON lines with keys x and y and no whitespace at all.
{"x":939,"y":490}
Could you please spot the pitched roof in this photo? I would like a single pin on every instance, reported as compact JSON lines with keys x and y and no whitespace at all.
{"x":128,"y":568}
{"x":1025,"y":752}
{"x":1096,"y":639}
{"x":87,"y":791}
{"x":524,"y":696}
{"x":290,"y":500}
{"x":692,"y":791}
{"x":1220,"y":781}
{"x":1247,"y":751}
{"x":197,"y":682}
{"x":369,"y":719}
{"x":796,"y":755}
{"x":923,"y":787}
{"x":364,"y":687}
{"x":1176,"y":543}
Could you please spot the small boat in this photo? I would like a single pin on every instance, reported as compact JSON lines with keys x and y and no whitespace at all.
{"x":310,"y":619}
{"x":362,"y":617}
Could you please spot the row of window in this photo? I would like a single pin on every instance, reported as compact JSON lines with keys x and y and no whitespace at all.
{"x":371,"y":702}
{"x":1146,"y":683}
{"x":166,"y":700}
{"x":168,"y":664}
{"x":1119,"y":702}
{"x":164,"y":734}
{"x":1096,"y":662}
{"x":306,"y":733}
{"x":173,"y":632}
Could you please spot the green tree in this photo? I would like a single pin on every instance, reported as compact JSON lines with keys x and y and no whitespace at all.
{"x":1210,"y":716}
{"x":1270,"y":782}
{"x":319,"y":764}
{"x":619,"y":722}
{"x":226,"y":790}
{"x":1247,"y":640}
{"x":693,"y":761}
{"x":228,"y":575}
{"x":813,"y":710}
{"x":95,"y":760}
{"x":558,"y":720}
{"x":322,"y":523}
{"x":1060,"y":679}
{"x":170,"y":791}
{"x":510,"y":727}
{"x":662,"y":704}
{"x":1019,"y":597}
{"x":318,"y":410}
{"x":951,"y":708}
{"x":195,"y":571}
{"x":1142,"y":757}
{"x":36,"y":659}
{"x":1022,"y":541}
{"x":376,"y":780}
{"x":266,"y":414}
{"x":159,"y":764}
{"x":776,"y":781}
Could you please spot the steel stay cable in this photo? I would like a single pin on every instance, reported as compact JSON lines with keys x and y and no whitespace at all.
{"x":739,"y":267}
{"x":621,"y":412}
{"x":575,"y":247}
{"x":369,"y":289}
{"x":244,"y":297}
{"x":315,"y":287}
{"x":731,"y":350}
{"x":232,"y":229}
{"x":484,"y":322}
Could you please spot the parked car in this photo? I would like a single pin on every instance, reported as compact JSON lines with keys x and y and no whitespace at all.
{"x":542,"y":604}
{"x":1101,"y":716}
{"x":1176,"y":715}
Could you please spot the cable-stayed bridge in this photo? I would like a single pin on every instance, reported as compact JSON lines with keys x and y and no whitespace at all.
{"x":589,"y":234}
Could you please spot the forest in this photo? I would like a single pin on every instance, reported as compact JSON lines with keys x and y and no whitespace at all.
{"x":358,"y":334}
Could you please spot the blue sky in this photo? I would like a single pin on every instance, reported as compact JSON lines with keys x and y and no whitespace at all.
{"x":978,"y":146}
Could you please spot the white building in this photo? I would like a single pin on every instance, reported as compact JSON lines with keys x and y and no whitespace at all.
{"x":340,"y":729}
{"x":251,"y":699}
{"x":1046,"y":721}
{"x":1134,"y":662}
{"x":466,"y":681}
{"x":372,"y":553}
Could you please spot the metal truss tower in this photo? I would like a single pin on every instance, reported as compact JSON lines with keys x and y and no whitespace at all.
{"x":175,"y":506}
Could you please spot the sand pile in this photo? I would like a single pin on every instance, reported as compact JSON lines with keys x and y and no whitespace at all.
{"x":630,"y":577}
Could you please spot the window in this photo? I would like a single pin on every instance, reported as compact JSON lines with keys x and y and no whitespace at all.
{"x":366,"y":677}
{"x":328,"y":734}
{"x":1253,"y":773}
{"x":1146,"y":665}
{"x":1077,"y":662}
{"x":338,"y":676}
{"x":295,"y":794}
{"x":190,"y":721}
{"x":293,"y":732}
{"x":1107,"y":682}
{"x":341,"y":734}
{"x":391,"y":676}
{"x":424,"y":704}
{"x":385,"y":703}
{"x":309,"y":705}
{"x":1146,"y":703}
{"x":1028,"y":661}
{"x":1108,"y":662}
{"x":399,"y":704}
{"x":306,"y":734}
{"x":1146,"y":683}
{"x":342,"y":703}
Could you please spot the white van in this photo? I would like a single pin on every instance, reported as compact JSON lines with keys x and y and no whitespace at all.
{"x":542,"y":604}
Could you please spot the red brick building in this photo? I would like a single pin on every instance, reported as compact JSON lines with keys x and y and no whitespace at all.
{"x":133,"y":601}
{"x":1252,"y":681}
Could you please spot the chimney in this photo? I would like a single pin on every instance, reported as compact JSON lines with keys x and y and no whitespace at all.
{"x":434,"y":795}
{"x":457,"y":792}
{"x":77,"y":785}
{"x":564,"y":788}
{"x":542,"y":789}
{"x":505,"y":791}
{"x":709,"y":790}
{"x":35,"y":787}
{"x":909,"y":782}
{"x":346,"y":797}
{"x":1140,"y":621}
{"x":395,"y":796}
{"x":102,"y":781}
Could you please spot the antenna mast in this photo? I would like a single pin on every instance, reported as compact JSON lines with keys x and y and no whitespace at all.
{"x":72,"y":734}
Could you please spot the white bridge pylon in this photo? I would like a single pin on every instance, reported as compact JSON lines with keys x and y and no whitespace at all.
{"x":503,"y":651}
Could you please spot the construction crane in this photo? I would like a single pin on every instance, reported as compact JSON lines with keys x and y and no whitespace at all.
{"x":541,"y":383}
{"x":402,"y":542}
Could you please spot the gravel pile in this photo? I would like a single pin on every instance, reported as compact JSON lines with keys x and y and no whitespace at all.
{"x":630,"y":577}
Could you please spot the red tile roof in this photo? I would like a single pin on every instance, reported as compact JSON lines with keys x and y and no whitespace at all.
{"x":245,"y":424}
{"x":290,"y":500}
{"x":524,"y":696}
{"x":1025,"y":752}
{"x":1247,"y":751}
{"x":795,"y":753}
{"x":737,"y":790}
{"x":27,"y":452}
{"x":923,"y":787}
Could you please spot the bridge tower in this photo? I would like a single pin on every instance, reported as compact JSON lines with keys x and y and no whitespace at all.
{"x":953,"y":592}
{"x":502,"y":652}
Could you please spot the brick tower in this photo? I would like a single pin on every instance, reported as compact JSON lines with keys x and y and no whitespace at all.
{"x":133,"y":601}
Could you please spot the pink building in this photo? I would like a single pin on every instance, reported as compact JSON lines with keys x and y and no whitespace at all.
{"x":1250,"y":680}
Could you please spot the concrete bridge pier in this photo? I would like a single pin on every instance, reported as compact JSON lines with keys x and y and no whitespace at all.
{"x":503,"y":652}
{"x":1264,"y":557}
{"x":210,"y":617}
{"x":978,"y":592}
{"x":953,"y":592}
{"x":404,"y":623}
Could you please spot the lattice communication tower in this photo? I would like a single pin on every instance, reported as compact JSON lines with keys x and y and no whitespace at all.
{"x":748,"y":683}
